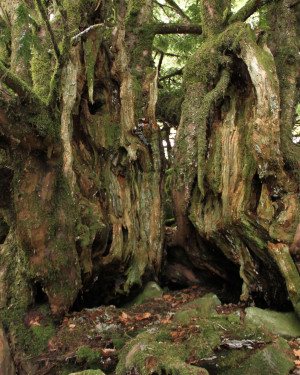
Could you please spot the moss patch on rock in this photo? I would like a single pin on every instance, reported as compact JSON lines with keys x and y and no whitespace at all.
{"x":283,"y":324}
{"x":197,"y":340}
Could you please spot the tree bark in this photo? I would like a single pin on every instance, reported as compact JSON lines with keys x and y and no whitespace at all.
{"x":244,"y":202}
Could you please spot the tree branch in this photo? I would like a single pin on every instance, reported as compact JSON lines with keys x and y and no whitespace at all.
{"x":77,"y":37}
{"x":160,"y":62}
{"x":23,"y":112}
{"x":247,"y":10}
{"x":163,"y":6}
{"x":175,"y":28}
{"x":64,"y":20}
{"x":178,"y":10}
{"x":176,"y":73}
{"x":25,"y":93}
{"x":165,"y":53}
{"x":61,"y":58}
{"x":49,"y":28}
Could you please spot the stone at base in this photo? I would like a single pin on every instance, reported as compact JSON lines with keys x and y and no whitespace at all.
{"x":271,"y":360}
{"x":282,"y":324}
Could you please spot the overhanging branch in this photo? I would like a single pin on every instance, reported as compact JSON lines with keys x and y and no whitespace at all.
{"x":247,"y":10}
{"x":175,"y":28}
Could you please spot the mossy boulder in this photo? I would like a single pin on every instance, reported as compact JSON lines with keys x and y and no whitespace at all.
{"x":151,"y":290}
{"x":283,"y":324}
{"x":201,"y":307}
{"x":273,"y":359}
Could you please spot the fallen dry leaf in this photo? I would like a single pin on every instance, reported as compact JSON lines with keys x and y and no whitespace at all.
{"x":297,"y":363}
{"x":296,"y":352}
{"x":72,"y":326}
{"x":34,"y":323}
{"x":167,"y":320}
{"x":168,"y":298}
{"x":125,"y":318}
{"x":107,"y":352}
{"x":142,"y":317}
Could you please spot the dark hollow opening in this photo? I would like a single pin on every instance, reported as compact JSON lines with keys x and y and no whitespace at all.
{"x":4,"y":229}
{"x":40,"y":296}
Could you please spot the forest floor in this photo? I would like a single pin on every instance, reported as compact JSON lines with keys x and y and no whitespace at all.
{"x":93,"y":338}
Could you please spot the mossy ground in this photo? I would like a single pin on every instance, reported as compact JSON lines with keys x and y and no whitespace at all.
{"x":174,"y":333}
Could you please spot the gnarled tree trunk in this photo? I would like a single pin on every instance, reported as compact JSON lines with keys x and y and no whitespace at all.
{"x":82,"y":167}
{"x":236,"y":194}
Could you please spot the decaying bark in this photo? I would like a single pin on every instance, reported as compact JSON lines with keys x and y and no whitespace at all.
{"x":82,"y":187}
{"x":245,"y":202}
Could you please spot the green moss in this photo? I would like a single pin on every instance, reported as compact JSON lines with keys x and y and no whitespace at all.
{"x":206,"y":80}
{"x":271,"y":360}
{"x":78,"y":11}
{"x":57,"y":216}
{"x":142,"y":53}
{"x":41,"y":336}
{"x":88,"y":372}
{"x":170,"y":347}
{"x":45,"y":123}
{"x":104,"y":131}
{"x":40,"y":66}
{"x":151,"y":290}
{"x":14,"y":282}
{"x":18,"y":85}
{"x":90,"y":356}
{"x":31,"y":340}
{"x":133,"y":10}
{"x":213,"y":21}
{"x":118,"y":339}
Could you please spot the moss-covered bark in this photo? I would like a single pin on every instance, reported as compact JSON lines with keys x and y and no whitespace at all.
{"x":230,"y":142}
{"x":84,"y":174}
